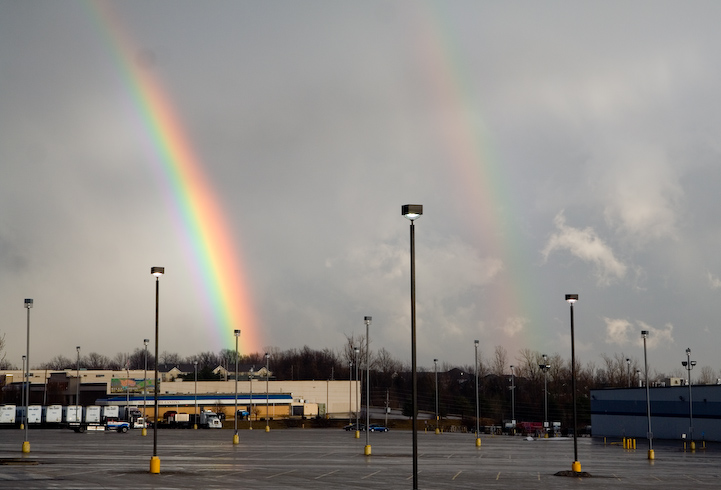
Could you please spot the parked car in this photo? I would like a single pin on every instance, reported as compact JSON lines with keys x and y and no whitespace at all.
{"x":355,"y":427}
{"x":377,"y":428}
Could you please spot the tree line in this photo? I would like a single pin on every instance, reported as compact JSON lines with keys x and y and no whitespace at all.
{"x":390,"y":379}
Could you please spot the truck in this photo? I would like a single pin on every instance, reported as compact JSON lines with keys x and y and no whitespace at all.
{"x":178,"y":420}
{"x":73,"y":414}
{"x":7,"y":414}
{"x":210,"y":420}
{"x":117,"y":425}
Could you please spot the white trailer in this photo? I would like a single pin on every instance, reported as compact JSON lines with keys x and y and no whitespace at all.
{"x":92,"y":414}
{"x":35,"y":414}
{"x":111,"y":412}
{"x":73,"y":414}
{"x":7,"y":414}
{"x":53,"y":414}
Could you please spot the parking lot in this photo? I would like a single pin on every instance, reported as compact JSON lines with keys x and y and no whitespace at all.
{"x":333,"y":458}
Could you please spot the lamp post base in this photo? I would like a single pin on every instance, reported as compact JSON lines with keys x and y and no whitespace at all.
{"x":236,"y":439}
{"x":267,"y":428}
{"x":155,"y":465}
{"x":576,"y":467}
{"x":357,"y":434}
{"x":438,"y":431}
{"x":26,"y":447}
{"x":478,"y":442}
{"x":144,"y":432}
{"x":367,"y":450}
{"x":651,"y":455}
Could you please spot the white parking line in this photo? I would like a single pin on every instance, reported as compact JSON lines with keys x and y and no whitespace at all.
{"x":456,"y":475}
{"x":368,"y":476}
{"x":326,"y":474}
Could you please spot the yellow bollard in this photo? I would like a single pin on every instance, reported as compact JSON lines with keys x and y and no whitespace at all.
{"x":651,"y":455}
{"x":357,"y":434}
{"x":693,"y":446}
{"x":155,"y":465}
{"x":624,"y":443}
{"x":26,"y":447}
{"x":144,"y":432}
{"x":478,"y":442}
{"x":367,"y":450}
{"x":236,"y":439}
{"x":576,"y":467}
{"x":267,"y":428}
{"x":438,"y":431}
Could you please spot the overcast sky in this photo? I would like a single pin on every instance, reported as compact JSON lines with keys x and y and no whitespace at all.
{"x":557,"y":147}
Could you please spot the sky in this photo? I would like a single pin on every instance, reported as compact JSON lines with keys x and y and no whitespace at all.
{"x":261,"y":153}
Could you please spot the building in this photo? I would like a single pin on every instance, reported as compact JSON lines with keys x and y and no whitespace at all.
{"x":621,"y":412}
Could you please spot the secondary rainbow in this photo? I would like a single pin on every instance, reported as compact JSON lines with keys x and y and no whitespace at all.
{"x":197,"y":211}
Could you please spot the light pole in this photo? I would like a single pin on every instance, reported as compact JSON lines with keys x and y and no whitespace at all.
{"x":576,"y":466}
{"x":250,"y":412}
{"x":478,"y":411}
{"x":356,"y":350}
{"x":413,"y":212}
{"x":144,"y":431}
{"x":23,"y":385}
{"x":267,"y":374}
{"x":628,"y":369}
{"x":236,"y":439}
{"x":649,"y":434}
{"x":438,"y":419}
{"x":78,"y":416}
{"x":689,"y":365}
{"x":155,"y":461}
{"x":195,"y":415}
{"x":350,"y":392}
{"x":367,"y":321}
{"x":545,"y":367}
{"x":513,"y":401}
{"x":26,"y":442}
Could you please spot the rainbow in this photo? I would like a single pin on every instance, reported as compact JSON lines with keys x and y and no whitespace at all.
{"x":485,"y":188}
{"x":210,"y":244}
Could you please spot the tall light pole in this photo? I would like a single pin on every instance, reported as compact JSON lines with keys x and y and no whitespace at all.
{"x":478,"y":411}
{"x":576,"y":466}
{"x":356,"y":351}
{"x":438,"y":419}
{"x":23,"y":386}
{"x":236,"y":439}
{"x":267,"y":374}
{"x":649,"y":434}
{"x":26,"y":442}
{"x":350,"y":392}
{"x":545,"y":367}
{"x":413,"y":212}
{"x":367,"y":321}
{"x":513,"y":400}
{"x":628,"y":366}
{"x":250,"y":412}
{"x":689,"y":365}
{"x":144,"y":430}
{"x":78,"y":416}
{"x":195,"y":416}
{"x":154,"y":460}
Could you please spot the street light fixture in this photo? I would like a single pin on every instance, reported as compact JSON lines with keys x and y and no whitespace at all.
{"x":413,"y":212}
{"x":649,"y":434}
{"x":478,"y":411}
{"x":236,"y":439}
{"x":689,"y":365}
{"x":26,"y":442}
{"x":545,"y":367}
{"x":267,"y":374}
{"x":576,"y":466}
{"x":155,"y":461}
{"x":195,"y":415}
{"x":367,"y":321}
{"x":438,"y":419}
{"x":144,"y":431}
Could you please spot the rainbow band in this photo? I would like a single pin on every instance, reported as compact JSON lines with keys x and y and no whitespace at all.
{"x":214,"y":254}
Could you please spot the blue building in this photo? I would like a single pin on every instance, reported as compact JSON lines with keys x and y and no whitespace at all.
{"x":621,"y":412}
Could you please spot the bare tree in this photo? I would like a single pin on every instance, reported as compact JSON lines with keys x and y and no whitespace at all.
{"x":58,"y":363}
{"x":95,"y":361}
{"x":500,"y":359}
{"x":707,"y":376}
